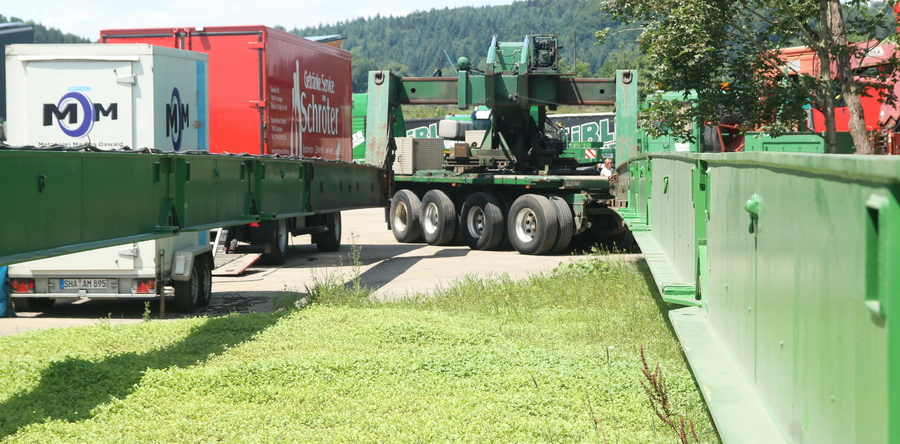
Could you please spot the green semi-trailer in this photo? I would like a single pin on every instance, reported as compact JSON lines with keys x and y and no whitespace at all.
{"x":517,"y":183}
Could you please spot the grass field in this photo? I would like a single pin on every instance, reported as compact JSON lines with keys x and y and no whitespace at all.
{"x":553,"y":358}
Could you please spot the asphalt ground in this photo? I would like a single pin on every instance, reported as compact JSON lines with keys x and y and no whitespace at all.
{"x":391,"y":269}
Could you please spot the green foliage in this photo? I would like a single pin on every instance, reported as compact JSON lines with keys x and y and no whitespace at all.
{"x":330,"y":287}
{"x":547,"y":359}
{"x":43,"y":34}
{"x":629,"y":58}
{"x":419,"y":40}
{"x":360,"y":73}
{"x":582,"y":69}
{"x":726,"y":53}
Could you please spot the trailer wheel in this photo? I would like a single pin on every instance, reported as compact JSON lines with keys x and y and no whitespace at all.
{"x":205,"y":278}
{"x":330,"y":240}
{"x":506,"y":200}
{"x":482,"y":221}
{"x":276,"y":236}
{"x":532,"y":224}
{"x":187,"y":293}
{"x":405,"y":209}
{"x":32,"y":304}
{"x":438,"y":218}
{"x":566,"y":221}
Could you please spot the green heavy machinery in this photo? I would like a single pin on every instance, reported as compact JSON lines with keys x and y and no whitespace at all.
{"x":512,"y":185}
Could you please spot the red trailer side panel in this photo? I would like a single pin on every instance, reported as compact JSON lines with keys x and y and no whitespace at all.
{"x":270,"y":92}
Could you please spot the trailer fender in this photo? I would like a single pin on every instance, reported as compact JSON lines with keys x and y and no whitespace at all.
{"x":183,"y":262}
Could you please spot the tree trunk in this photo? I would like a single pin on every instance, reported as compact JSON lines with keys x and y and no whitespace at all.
{"x":827,"y":100}
{"x":849,"y":88}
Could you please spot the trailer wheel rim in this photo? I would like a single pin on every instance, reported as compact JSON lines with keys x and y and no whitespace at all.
{"x":401,"y":216}
{"x":475,"y":222}
{"x":431,"y":218}
{"x":526,"y":225}
{"x":281,"y":235}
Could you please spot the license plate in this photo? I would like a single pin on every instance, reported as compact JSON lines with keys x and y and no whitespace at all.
{"x":82,"y":283}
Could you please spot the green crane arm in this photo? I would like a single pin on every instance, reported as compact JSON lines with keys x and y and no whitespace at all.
{"x":517,"y":76}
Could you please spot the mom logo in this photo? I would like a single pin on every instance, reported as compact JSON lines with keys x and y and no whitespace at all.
{"x":177,"y":118}
{"x":75,"y":114}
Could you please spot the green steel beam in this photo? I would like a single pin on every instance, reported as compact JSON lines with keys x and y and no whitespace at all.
{"x":626,"y":117}
{"x":62,"y":202}
{"x":592,"y":92}
{"x":794,"y":339}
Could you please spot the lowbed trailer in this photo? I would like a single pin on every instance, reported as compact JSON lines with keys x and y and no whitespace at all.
{"x":514,"y":185}
{"x":63,"y":201}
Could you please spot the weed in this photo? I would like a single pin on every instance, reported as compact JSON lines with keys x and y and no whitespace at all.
{"x":598,"y":425}
{"x":146,"y":316}
{"x":655,"y":387}
{"x":331,"y":287}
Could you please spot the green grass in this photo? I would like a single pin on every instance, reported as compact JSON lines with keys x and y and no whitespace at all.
{"x":487,"y":360}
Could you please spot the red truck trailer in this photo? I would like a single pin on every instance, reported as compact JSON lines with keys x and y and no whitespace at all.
{"x":270,"y":92}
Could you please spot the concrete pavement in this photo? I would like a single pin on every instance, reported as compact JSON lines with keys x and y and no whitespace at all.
{"x":368,"y":248}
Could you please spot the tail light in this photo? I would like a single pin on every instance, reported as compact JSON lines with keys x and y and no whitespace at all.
{"x":21,"y":285}
{"x":147,"y":286}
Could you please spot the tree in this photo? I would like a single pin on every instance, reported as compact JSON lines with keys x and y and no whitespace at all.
{"x":628,"y":58}
{"x":729,"y":54}
{"x":360,"y":73}
{"x":582,"y":69}
{"x":398,"y":68}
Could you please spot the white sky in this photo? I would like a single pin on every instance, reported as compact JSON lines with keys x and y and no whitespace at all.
{"x":86,"y":18}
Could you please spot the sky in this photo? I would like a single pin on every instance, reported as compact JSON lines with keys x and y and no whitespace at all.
{"x":85,"y":18}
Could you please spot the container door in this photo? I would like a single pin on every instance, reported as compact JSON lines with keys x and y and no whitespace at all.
{"x":236,"y":97}
{"x":74,"y":102}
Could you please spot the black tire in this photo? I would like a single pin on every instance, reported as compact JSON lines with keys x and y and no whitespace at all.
{"x":438,"y":218}
{"x":566,"y":221}
{"x":532,"y":224}
{"x":482,"y":221}
{"x":187,"y":293}
{"x":405,"y":210}
{"x":505,"y":243}
{"x":711,"y":141}
{"x":205,"y":276}
{"x":32,"y":304}
{"x":330,"y":240}
{"x":277,"y":237}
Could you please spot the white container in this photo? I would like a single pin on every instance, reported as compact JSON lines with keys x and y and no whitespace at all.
{"x":109,"y":96}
